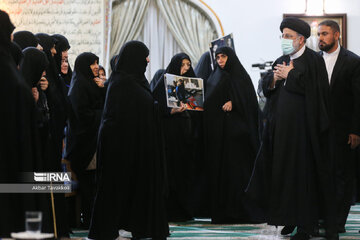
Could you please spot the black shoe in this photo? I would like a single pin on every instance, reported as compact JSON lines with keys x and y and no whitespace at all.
{"x":300,"y":236}
{"x":287,"y":230}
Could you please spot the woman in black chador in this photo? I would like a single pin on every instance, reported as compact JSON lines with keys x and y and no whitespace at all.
{"x":131,"y":182}
{"x":231,"y":129}
{"x":18,"y":139}
{"x":87,"y":103}
{"x":183,"y":137}
{"x":33,"y":67}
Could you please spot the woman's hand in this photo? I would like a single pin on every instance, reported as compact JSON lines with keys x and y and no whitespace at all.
{"x":35,"y":93}
{"x":44,"y":84}
{"x":99,"y":82}
{"x":178,"y":110}
{"x":227,"y":107}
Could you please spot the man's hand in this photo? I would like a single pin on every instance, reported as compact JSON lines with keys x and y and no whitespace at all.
{"x":354,"y":141}
{"x":227,"y":107}
{"x":44,"y":84}
{"x":282,"y":70}
{"x":276,"y":78}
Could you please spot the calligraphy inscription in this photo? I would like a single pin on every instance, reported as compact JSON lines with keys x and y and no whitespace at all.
{"x":80,"y":21}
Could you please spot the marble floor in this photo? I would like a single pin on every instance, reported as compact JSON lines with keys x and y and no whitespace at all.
{"x":202,"y":229}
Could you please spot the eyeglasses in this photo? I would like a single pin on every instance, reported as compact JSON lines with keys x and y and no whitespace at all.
{"x":287,"y":36}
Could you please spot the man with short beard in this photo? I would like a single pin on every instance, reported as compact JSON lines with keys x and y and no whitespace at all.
{"x":343,"y":69}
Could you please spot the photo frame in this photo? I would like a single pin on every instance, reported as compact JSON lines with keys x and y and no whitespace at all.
{"x":227,"y":40}
{"x":314,"y":21}
{"x":186,"y":91}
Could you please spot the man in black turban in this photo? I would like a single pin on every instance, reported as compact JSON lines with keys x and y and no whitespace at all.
{"x":296,"y":25}
{"x":300,"y":191}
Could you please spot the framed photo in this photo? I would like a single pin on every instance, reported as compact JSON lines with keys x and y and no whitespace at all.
{"x":184,"y":90}
{"x":313,"y":21}
{"x":227,"y":40}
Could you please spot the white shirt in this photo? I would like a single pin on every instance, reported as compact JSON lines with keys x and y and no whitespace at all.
{"x":298,"y":53}
{"x":330,"y":60}
{"x":295,"y":56}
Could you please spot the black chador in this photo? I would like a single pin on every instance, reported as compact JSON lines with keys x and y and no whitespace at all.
{"x":131,"y":182}
{"x":203,"y":69}
{"x":32,"y":67}
{"x":53,"y":108}
{"x":183,"y":146}
{"x":56,"y":96}
{"x":157,"y":76}
{"x":87,"y":102}
{"x":18,"y":138}
{"x":231,"y":140}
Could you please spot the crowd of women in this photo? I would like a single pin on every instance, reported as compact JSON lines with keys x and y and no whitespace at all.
{"x":139,"y":163}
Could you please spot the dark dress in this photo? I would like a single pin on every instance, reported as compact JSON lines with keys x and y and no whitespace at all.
{"x":232,"y":140}
{"x":183,"y":146}
{"x":131,"y":180}
{"x":302,"y":187}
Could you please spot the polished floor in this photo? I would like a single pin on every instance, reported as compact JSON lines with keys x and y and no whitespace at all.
{"x":201,"y":229}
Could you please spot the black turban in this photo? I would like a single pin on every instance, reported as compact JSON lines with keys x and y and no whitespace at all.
{"x":297,"y":25}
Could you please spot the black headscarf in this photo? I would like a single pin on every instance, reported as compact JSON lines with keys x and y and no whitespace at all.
{"x":47,"y":42}
{"x":83,"y":73}
{"x":83,"y":62}
{"x":113,"y":62}
{"x":132,"y":58}
{"x":6,"y":28}
{"x":174,"y":66}
{"x":25,"y":39}
{"x":203,"y":68}
{"x":102,"y":68}
{"x":16,"y":52}
{"x":62,"y":45}
{"x":157,"y":76}
{"x":33,"y":65}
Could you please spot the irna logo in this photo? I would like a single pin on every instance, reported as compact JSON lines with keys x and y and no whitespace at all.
{"x":52,"y":177}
